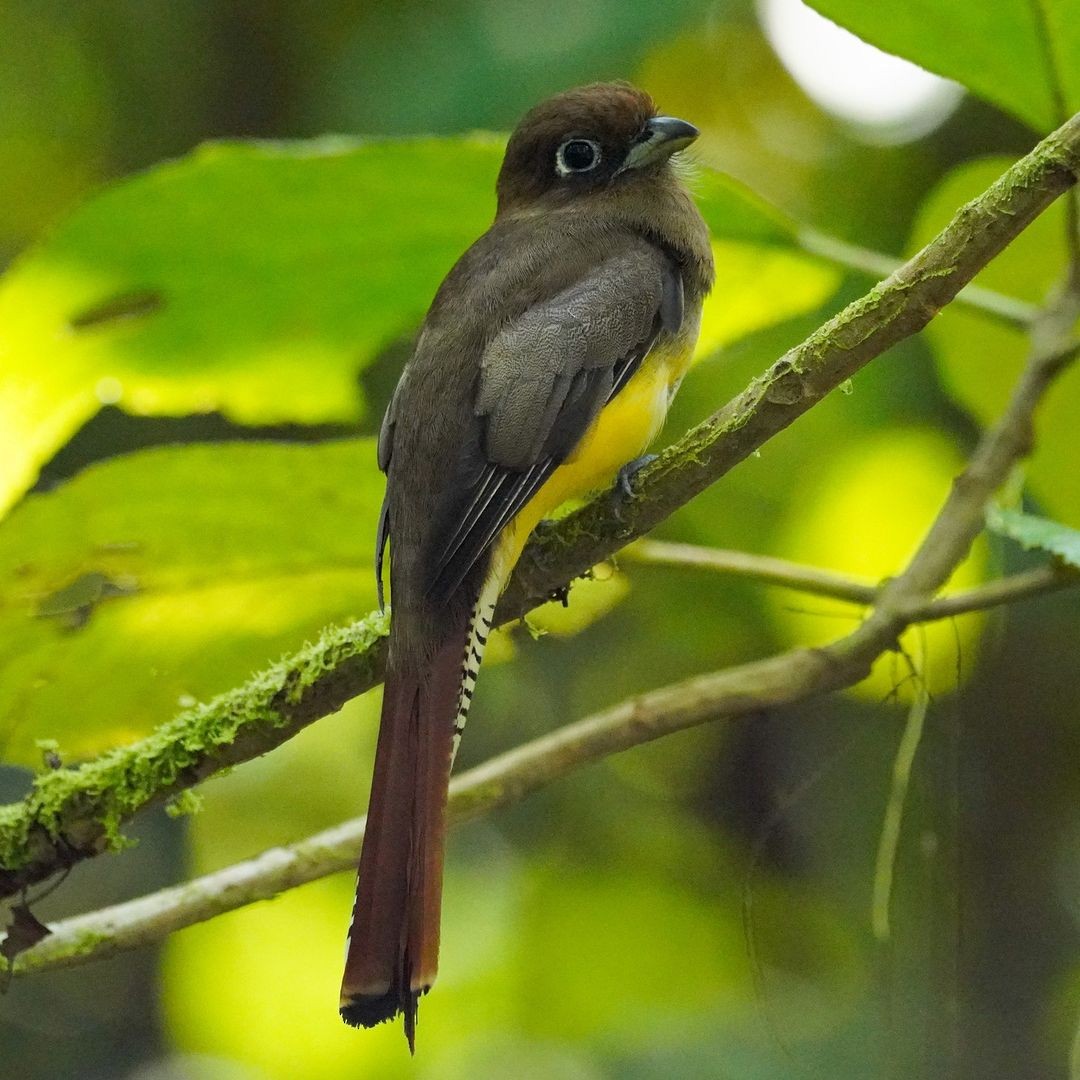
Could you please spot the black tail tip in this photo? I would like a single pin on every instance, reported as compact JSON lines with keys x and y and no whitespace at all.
{"x":369,"y":1010}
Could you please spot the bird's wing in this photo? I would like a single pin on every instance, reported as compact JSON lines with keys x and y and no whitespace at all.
{"x":543,"y":380}
{"x":384,"y":447}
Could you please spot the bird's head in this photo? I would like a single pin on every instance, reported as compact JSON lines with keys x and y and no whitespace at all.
{"x":584,"y":140}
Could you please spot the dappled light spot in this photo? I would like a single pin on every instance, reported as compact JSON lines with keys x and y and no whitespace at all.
{"x":759,"y":286}
{"x":864,"y":512}
{"x":887,"y":99}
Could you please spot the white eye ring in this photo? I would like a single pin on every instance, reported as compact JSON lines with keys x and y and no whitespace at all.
{"x":569,"y":158}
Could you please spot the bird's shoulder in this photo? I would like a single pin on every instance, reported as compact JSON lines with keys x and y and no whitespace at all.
{"x":520,"y":263}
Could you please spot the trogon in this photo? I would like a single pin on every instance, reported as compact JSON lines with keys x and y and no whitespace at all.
{"x":545,"y":364}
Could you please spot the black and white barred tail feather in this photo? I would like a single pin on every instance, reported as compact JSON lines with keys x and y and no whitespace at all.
{"x":480,"y":624}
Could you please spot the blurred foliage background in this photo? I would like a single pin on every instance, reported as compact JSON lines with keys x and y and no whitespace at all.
{"x":192,"y":362}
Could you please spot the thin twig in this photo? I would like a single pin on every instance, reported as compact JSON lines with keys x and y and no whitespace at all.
{"x":889,"y":841}
{"x":830,"y":583}
{"x":766,"y":568}
{"x":999,"y":306}
{"x":1008,"y":590}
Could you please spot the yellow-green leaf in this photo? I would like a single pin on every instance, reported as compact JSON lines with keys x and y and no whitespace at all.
{"x":170,"y":575}
{"x":1019,"y":54}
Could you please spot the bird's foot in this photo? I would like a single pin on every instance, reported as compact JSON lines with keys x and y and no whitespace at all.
{"x":624,"y":493}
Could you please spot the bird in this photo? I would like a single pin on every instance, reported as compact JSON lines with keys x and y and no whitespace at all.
{"x":541,"y":372}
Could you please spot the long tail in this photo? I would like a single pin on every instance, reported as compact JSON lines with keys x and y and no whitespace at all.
{"x":393,"y":948}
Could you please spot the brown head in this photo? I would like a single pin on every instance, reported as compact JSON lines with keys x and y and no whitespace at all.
{"x":587,"y":139}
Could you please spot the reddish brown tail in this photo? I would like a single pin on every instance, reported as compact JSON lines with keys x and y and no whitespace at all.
{"x":393,"y":949}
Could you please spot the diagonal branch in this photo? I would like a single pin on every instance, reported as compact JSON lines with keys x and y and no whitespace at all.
{"x":750,"y":688}
{"x":74,"y":814}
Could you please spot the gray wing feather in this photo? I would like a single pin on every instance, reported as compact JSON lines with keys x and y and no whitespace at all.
{"x":383,"y":448}
{"x":386,"y":430}
{"x":531,"y":367}
{"x":543,"y":380}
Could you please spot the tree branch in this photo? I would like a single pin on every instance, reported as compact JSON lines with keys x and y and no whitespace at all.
{"x":73,"y":814}
{"x":750,"y":688}
{"x":836,"y":586}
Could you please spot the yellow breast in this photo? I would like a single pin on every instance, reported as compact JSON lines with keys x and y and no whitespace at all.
{"x":617,"y":436}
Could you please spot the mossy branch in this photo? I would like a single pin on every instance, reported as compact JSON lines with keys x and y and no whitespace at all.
{"x":75,"y":813}
{"x":750,"y":688}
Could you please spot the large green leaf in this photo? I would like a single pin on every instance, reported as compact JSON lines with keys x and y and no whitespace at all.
{"x":260,"y":280}
{"x":980,"y":358}
{"x":1022,"y":55}
{"x":172,"y":574}
{"x":256,"y":279}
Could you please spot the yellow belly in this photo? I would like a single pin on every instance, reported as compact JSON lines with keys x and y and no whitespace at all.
{"x":618,"y":435}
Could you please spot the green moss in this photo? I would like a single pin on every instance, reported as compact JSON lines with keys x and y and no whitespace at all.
{"x":184,"y":803}
{"x":88,"y":943}
{"x":480,"y":797}
{"x":87,"y":805}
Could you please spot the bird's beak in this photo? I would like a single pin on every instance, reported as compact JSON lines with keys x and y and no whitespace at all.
{"x":661,"y":137}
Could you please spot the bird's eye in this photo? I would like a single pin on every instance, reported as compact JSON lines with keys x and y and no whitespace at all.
{"x":577,"y":156}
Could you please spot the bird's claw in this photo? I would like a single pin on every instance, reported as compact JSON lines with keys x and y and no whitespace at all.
{"x":624,"y":493}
